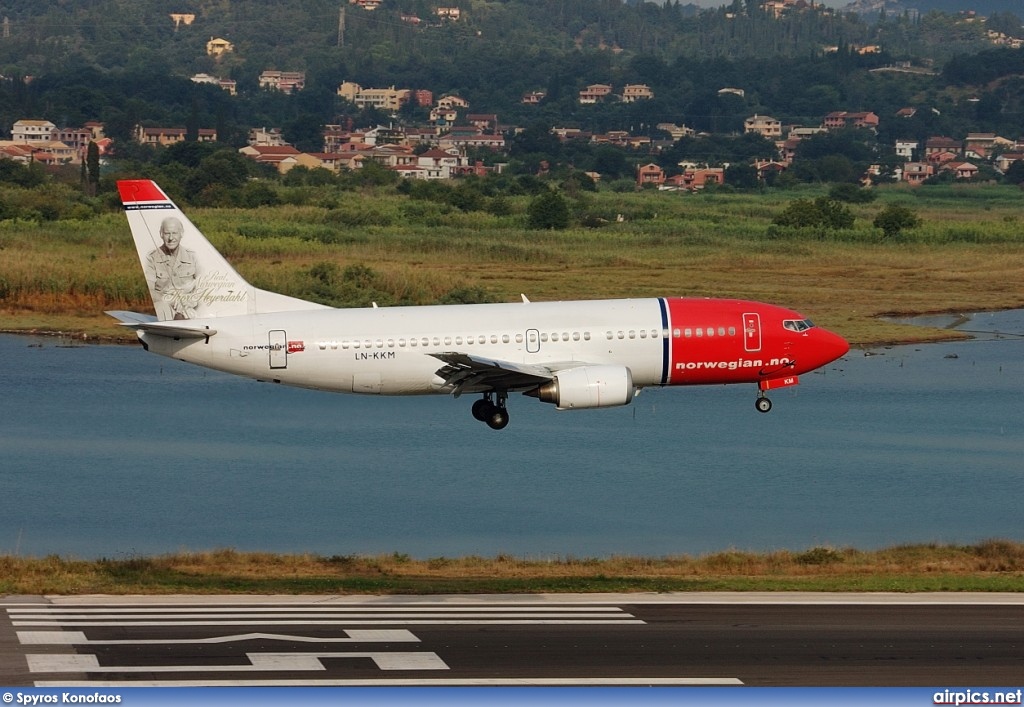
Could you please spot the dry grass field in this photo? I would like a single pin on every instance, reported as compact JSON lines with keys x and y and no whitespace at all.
{"x":989,"y":566}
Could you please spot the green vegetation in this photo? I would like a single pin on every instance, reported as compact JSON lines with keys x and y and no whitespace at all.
{"x":994,"y":565}
{"x":351,"y":248}
{"x":894,"y":218}
{"x":124,"y":63}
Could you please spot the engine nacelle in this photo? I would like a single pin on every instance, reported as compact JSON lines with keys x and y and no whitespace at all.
{"x":588,"y":387}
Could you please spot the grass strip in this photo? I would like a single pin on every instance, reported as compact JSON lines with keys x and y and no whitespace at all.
{"x":989,"y":566}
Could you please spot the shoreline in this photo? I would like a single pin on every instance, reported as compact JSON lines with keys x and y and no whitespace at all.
{"x":990,"y":566}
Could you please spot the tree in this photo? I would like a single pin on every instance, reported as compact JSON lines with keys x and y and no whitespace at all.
{"x":1015,"y":173}
{"x":92,"y":166}
{"x":742,"y":176}
{"x":548,"y":210}
{"x":894,"y":218}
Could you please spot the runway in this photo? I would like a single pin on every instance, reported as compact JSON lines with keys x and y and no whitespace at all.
{"x":624,"y":639}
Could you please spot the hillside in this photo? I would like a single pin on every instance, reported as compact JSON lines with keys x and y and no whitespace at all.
{"x":493,"y":52}
{"x":387,"y":43}
{"x":952,"y":7}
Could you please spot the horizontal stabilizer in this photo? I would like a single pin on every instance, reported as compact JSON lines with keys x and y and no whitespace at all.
{"x":132,"y":317}
{"x":148,"y":324}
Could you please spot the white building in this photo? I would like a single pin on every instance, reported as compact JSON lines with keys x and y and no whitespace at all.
{"x":32,"y":131}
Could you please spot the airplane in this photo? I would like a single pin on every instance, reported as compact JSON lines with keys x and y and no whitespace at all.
{"x":575,"y":355}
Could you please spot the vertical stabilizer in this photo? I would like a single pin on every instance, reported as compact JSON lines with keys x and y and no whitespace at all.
{"x":187,"y":277}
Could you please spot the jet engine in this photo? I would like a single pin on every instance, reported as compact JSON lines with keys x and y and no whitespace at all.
{"x":588,"y":387}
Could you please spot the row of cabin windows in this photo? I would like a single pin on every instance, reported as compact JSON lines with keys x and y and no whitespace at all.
{"x":422,"y":341}
{"x":543,"y":337}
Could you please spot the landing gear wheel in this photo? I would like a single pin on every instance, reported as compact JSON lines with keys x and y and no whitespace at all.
{"x":763,"y":404}
{"x":498,"y":419}
{"x":482,"y":409}
{"x":491,"y":409}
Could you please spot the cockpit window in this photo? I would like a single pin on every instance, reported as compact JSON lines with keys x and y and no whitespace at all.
{"x":797,"y":324}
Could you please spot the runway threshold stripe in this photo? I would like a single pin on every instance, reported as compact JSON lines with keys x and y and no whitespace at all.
{"x":78,"y":638}
{"x":475,"y":609}
{"x":258,"y":662}
{"x":402,"y":682}
{"x":316,"y":616}
{"x":346,"y":622}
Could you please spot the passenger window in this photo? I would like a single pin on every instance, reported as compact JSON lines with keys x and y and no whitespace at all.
{"x":732,"y":331}
{"x":643,"y":333}
{"x":632,"y":334}
{"x":519,"y":338}
{"x":676,"y":333}
{"x":721,"y":331}
{"x":458,"y":341}
{"x":586,"y":336}
{"x":608,"y":335}
{"x":565,"y":336}
{"x":621,"y":335}
{"x":700,"y":333}
{"x":688,"y":333}
{"x":504,"y":338}
{"x":543,"y":337}
{"x":391,"y":343}
{"x":447,"y":341}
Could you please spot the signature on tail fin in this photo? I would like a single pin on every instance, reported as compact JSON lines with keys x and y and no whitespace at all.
{"x":187,"y":277}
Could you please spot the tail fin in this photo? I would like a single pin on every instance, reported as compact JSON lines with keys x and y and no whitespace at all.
{"x":187,"y":277}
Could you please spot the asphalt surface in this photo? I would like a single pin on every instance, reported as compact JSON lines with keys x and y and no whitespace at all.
{"x":641,"y":639}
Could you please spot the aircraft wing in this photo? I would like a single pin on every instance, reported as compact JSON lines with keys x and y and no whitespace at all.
{"x":173,"y":329}
{"x":463,"y":370}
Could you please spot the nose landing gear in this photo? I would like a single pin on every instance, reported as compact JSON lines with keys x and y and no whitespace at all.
{"x":491,"y":409}
{"x":762,"y":403}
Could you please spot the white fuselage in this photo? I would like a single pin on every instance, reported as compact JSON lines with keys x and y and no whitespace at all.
{"x":387,"y":350}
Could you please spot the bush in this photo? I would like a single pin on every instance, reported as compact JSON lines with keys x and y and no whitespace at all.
{"x":548,"y":211}
{"x":895,"y":218}
{"x":822,"y":212}
{"x":851,"y":194}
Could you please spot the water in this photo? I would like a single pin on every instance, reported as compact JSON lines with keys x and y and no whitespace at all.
{"x":110,"y":451}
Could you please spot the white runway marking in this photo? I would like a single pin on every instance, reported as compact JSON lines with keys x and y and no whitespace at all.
{"x":75,"y":618}
{"x":317,"y":608}
{"x":273,"y":615}
{"x":296,"y":662}
{"x":259,"y":616}
{"x":345,"y":622}
{"x":77,"y":638}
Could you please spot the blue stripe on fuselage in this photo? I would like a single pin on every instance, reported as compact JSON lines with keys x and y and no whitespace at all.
{"x":664,"y":340}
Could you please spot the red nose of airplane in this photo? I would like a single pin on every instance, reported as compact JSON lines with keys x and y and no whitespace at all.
{"x":826,"y":347}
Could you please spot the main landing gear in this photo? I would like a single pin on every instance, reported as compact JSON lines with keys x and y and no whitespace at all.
{"x":491,"y":409}
{"x":762,"y":403}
